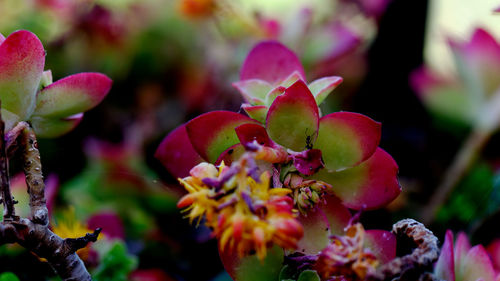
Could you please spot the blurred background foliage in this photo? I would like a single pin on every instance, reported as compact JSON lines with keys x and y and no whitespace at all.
{"x":171,"y":60}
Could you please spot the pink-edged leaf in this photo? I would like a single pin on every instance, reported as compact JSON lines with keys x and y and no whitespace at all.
{"x":177,"y":154}
{"x":446,"y":97}
{"x":233,"y":153}
{"x":445,"y":266}
{"x":337,"y":214}
{"x":476,"y":266}
{"x":292,"y":120}
{"x":248,"y":133}
{"x":347,"y":139}
{"x":22,"y":58}
{"x":370,"y":185}
{"x":322,"y":87}
{"x":254,"y":91}
{"x":382,"y":244}
{"x":250,"y":268}
{"x":291,"y":79}
{"x":330,"y":218}
{"x":213,"y":132}
{"x":270,"y":61}
{"x":271,"y":96}
{"x":308,"y":162}
{"x":316,"y":232}
{"x":478,"y":62}
{"x":73,"y":94}
{"x":494,"y":251}
{"x":462,"y":247}
{"x":53,"y":127}
{"x":257,"y":112}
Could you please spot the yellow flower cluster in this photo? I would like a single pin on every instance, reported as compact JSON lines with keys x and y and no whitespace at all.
{"x":241,"y":208}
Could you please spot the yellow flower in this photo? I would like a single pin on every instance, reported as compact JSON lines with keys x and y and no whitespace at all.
{"x":241,"y":208}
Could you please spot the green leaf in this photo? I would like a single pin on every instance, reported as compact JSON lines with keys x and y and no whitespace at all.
{"x":8,"y":276}
{"x":287,"y":273}
{"x":308,"y":275}
{"x":251,"y":268}
{"x":116,"y":264}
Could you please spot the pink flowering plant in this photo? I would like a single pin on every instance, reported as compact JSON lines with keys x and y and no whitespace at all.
{"x":280,"y":181}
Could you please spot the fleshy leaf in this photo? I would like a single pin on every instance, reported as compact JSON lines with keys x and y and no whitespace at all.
{"x":250,"y":268}
{"x":291,"y":79}
{"x":2,"y":38}
{"x":270,"y":61}
{"x":382,"y":244}
{"x":271,"y":96}
{"x":22,"y":58}
{"x":478,"y":62}
{"x":73,"y":94}
{"x":213,"y":132}
{"x":248,"y":133}
{"x":370,"y":185}
{"x":494,"y":251}
{"x":322,"y":87}
{"x":10,"y":119}
{"x":476,"y":266}
{"x":445,"y":266}
{"x":347,"y":139}
{"x":46,"y":79}
{"x":292,"y":120}
{"x":257,"y":112}
{"x":177,"y":154}
{"x":330,"y":218}
{"x":231,"y":154}
{"x":316,"y":232}
{"x":308,"y":275}
{"x":53,"y":127}
{"x":253,"y":90}
{"x":462,"y":247}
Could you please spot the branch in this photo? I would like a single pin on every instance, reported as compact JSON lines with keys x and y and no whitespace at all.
{"x":34,"y":178}
{"x":9,"y":212}
{"x":60,"y":253}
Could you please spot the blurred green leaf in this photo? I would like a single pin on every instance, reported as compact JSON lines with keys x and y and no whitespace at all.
{"x":8,"y":276}
{"x":116,"y":264}
{"x":251,"y":268}
{"x":308,"y":275}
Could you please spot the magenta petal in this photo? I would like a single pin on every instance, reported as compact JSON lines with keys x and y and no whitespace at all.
{"x":292,"y":120}
{"x":445,"y":266}
{"x":73,"y":94}
{"x":270,"y":61}
{"x":370,"y":185}
{"x":308,"y":162}
{"x":22,"y":58}
{"x":382,"y":244}
{"x":213,"y":132}
{"x":177,"y":154}
{"x":53,"y":127}
{"x":476,"y":266}
{"x":257,"y":112}
{"x":347,"y":139}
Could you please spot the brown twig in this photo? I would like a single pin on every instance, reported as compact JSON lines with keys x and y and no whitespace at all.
{"x":60,"y":253}
{"x":9,"y":213}
{"x":34,"y":234}
{"x":34,"y":178}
